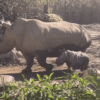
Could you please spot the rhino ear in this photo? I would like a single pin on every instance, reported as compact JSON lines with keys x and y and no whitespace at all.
{"x":6,"y":24}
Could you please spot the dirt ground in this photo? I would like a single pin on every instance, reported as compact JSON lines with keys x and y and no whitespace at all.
{"x":93,"y":51}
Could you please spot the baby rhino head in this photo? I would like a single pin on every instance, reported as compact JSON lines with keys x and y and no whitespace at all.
{"x":61,"y":59}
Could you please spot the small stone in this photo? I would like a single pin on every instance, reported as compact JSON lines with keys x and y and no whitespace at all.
{"x":6,"y":79}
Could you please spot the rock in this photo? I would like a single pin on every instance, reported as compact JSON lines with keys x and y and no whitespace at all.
{"x":18,"y":53}
{"x":11,"y":57}
{"x":5,"y":80}
{"x":98,"y":72}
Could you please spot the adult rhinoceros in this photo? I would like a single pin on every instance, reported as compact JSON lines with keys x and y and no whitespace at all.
{"x":35,"y":38}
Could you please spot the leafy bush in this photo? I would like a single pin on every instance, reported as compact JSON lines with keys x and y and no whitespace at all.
{"x":52,"y":18}
{"x":78,"y":11}
{"x":72,"y":87}
{"x":49,"y":17}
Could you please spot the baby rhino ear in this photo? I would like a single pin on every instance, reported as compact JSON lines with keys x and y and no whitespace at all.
{"x":6,"y":24}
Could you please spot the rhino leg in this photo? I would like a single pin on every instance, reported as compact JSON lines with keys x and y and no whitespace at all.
{"x":84,"y":67}
{"x":41,"y":58}
{"x":29,"y":61}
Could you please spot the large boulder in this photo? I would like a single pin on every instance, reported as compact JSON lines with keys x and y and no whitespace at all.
{"x":11,"y":57}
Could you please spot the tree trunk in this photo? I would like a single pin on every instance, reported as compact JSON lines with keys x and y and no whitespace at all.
{"x":46,"y":6}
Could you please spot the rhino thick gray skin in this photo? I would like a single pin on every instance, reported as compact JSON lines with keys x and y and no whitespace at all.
{"x":76,"y":60}
{"x":35,"y":38}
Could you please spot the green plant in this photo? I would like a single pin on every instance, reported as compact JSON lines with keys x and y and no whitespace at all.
{"x":72,"y":87}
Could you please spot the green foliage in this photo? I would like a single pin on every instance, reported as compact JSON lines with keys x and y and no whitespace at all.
{"x":72,"y":87}
{"x":52,"y":18}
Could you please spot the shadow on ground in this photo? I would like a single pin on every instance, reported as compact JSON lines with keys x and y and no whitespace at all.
{"x":18,"y":76}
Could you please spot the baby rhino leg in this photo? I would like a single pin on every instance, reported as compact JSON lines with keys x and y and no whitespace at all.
{"x":68,"y":65}
{"x":85,"y":64}
{"x":84,"y":67}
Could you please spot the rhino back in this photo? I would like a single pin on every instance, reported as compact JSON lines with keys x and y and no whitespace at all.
{"x":64,"y":34}
{"x":32,"y":35}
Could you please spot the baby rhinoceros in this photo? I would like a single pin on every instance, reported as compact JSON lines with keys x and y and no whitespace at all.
{"x":76,"y":60}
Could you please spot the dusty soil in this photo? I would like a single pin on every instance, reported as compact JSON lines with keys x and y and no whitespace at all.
{"x":93,"y":51}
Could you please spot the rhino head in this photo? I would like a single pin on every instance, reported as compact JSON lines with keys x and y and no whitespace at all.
{"x":62,"y":58}
{"x":6,"y":37}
